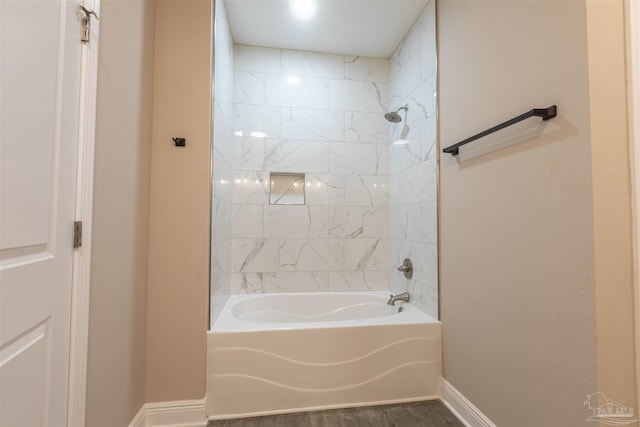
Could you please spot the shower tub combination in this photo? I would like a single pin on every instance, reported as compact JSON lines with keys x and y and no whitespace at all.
{"x":278,"y":353}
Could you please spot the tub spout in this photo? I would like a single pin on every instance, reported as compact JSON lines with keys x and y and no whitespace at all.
{"x":400,"y":297}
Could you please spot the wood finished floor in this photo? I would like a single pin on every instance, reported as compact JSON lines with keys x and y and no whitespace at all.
{"x":420,"y":414}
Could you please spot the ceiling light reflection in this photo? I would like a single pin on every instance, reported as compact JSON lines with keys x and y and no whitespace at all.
{"x":401,"y":142}
{"x":303,"y":9}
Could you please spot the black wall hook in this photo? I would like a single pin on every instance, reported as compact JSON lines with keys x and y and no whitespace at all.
{"x":180,"y":142}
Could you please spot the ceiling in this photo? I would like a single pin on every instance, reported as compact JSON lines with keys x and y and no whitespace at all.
{"x":350,"y":27}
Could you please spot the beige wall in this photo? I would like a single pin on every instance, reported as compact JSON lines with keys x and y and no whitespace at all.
{"x":611,"y":200}
{"x":179,"y":237}
{"x":115,"y":389}
{"x":532,"y":274}
{"x":147,"y":342}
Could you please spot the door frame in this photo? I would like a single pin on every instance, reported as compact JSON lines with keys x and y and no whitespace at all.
{"x":81,"y":279}
{"x":633,"y":70}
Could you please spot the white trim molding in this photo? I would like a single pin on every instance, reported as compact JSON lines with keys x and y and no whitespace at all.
{"x":139,"y":420}
{"x":79,"y":333}
{"x":462,"y":408}
{"x":183,"y":413}
{"x":191,"y":413}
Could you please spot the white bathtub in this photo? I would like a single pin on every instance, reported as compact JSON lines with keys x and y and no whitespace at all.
{"x":276,"y":353}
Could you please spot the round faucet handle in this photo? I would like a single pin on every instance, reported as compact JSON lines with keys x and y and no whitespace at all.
{"x":406,"y":268}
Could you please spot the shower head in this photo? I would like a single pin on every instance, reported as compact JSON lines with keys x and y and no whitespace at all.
{"x":394,"y":116}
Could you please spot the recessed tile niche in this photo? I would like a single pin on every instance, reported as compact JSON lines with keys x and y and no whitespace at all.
{"x":286,"y":188}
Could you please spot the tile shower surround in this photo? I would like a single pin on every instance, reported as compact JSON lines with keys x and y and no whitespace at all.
{"x":222,"y":163}
{"x":412,"y":167}
{"x":369,"y":204}
{"x":322,"y":115}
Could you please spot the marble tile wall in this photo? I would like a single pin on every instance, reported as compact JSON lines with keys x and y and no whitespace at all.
{"x":322,"y":115}
{"x":221,"y":211}
{"x":412,"y":166}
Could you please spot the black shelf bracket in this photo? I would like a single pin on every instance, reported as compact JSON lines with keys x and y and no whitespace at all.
{"x":544,"y":113}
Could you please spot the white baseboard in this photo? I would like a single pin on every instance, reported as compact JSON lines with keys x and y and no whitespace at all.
{"x":139,"y":420}
{"x":183,"y":413}
{"x":191,"y":413}
{"x":462,"y":407}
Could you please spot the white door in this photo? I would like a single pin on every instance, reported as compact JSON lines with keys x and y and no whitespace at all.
{"x":39,"y":95}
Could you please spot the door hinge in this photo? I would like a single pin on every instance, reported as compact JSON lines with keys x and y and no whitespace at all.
{"x":77,"y":234}
{"x":85,"y":22}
